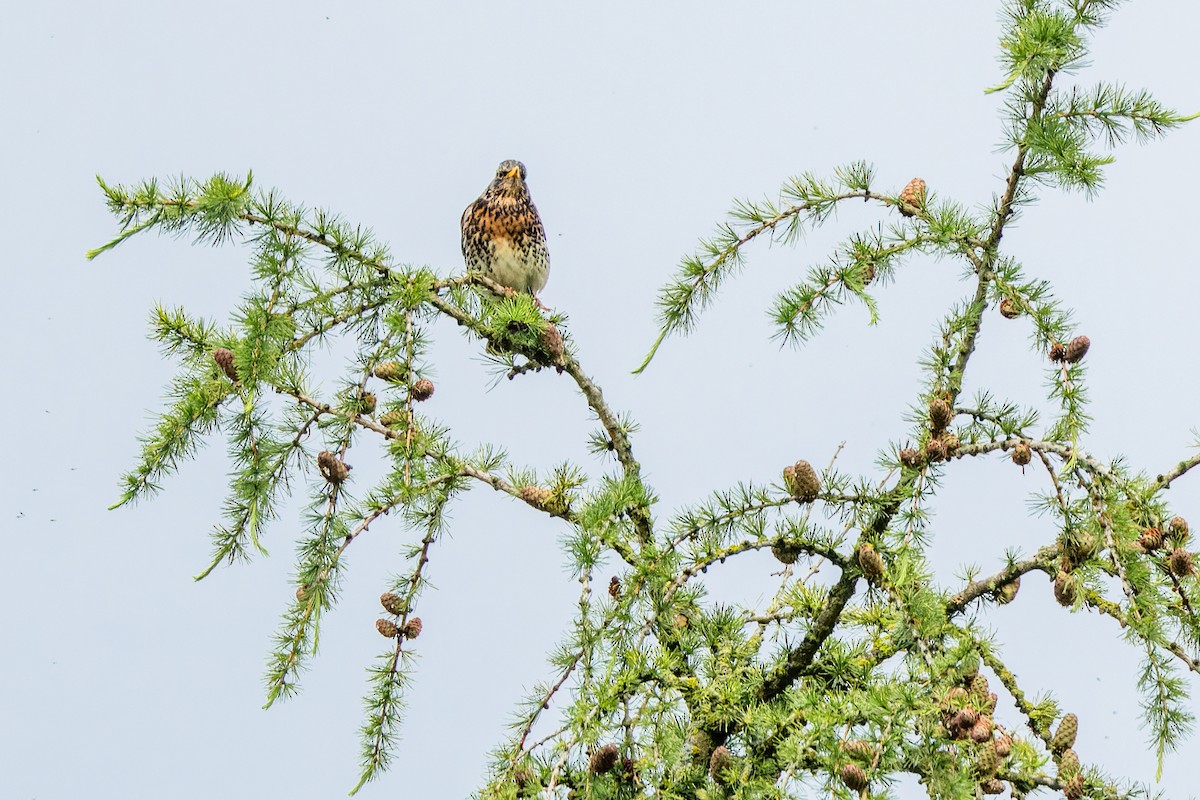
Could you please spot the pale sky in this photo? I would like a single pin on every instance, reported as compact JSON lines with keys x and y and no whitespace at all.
{"x":639,"y":124}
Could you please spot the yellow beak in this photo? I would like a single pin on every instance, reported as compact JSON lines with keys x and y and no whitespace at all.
{"x":515,"y":172}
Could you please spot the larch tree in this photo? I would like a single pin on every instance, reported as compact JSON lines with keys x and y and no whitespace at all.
{"x":847,"y":678}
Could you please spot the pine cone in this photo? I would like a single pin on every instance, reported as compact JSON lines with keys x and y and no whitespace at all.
{"x":785,"y":552}
{"x":1009,"y":308}
{"x":393,"y":604}
{"x":393,"y":419}
{"x":868,"y":272}
{"x":854,"y":777}
{"x":422,"y":390}
{"x":1064,"y":737}
{"x":1178,"y":528}
{"x":1065,"y":589}
{"x":950,"y":442}
{"x":935,"y":450}
{"x":719,"y":765}
{"x":1021,"y":454}
{"x":859,"y":750}
{"x":978,"y":687}
{"x":391,"y":371}
{"x":1077,"y":547}
{"x":332,"y":468}
{"x":802,"y":481}
{"x":603,"y":759}
{"x":698,"y":747}
{"x":1073,"y":789}
{"x":1180,"y":562}
{"x":912,"y":198}
{"x":614,"y":587}
{"x":522,"y":776}
{"x":910,"y":458}
{"x":871,"y":562}
{"x":981,"y":731}
{"x":366,"y":403}
{"x":224,"y":360}
{"x":387,"y":629}
{"x":963,"y":722}
{"x":1007,"y":592}
{"x":552,"y":343}
{"x":1003,"y":745}
{"x":537,"y":496}
{"x":1057,"y":352}
{"x":940,"y":415}
{"x":412,"y":628}
{"x":1068,"y":764}
{"x":987,"y":761}
{"x":992,"y":786}
{"x":1150,"y":540}
{"x":1076,"y":349}
{"x":956,"y":696}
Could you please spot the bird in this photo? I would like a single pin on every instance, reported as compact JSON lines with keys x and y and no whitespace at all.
{"x":502,"y":234}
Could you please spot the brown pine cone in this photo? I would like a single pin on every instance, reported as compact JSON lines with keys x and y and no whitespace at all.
{"x":412,"y":629}
{"x":1003,"y":744}
{"x":854,"y":777}
{"x":935,"y":450}
{"x":912,"y":198}
{"x":992,"y":786}
{"x":1009,"y":308}
{"x":537,"y":496}
{"x":785,"y":552}
{"x":224,"y":360}
{"x":1180,"y":562}
{"x":1073,"y":789}
{"x":1150,"y":540}
{"x":1057,"y":352}
{"x":981,"y":731}
{"x":332,"y":468}
{"x":963,"y":722}
{"x":387,"y":629}
{"x":1178,"y":528}
{"x":940,"y":415}
{"x":802,"y":481}
{"x":422,"y":390}
{"x":719,"y":765}
{"x":614,"y":587}
{"x":393,"y":604}
{"x":1021,"y":454}
{"x":1076,"y":349}
{"x":910,"y":458}
{"x":552,"y":342}
{"x":871,"y":562}
{"x":603,"y":759}
{"x":950,"y":442}
{"x":1065,"y":589}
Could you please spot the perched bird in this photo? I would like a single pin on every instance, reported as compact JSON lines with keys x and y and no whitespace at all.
{"x":502,"y":234}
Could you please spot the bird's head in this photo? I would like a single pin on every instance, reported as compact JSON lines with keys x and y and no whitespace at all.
{"x":509,"y":175}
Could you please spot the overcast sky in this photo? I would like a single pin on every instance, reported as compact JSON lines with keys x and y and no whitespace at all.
{"x":639,"y":124}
